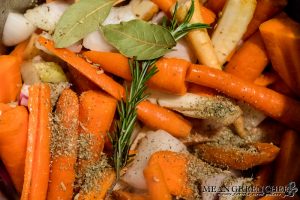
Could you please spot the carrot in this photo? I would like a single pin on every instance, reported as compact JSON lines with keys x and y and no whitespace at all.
{"x":4,"y":107}
{"x":170,"y":76}
{"x":265,"y":9}
{"x":156,"y":183}
{"x":201,"y":90}
{"x":157,"y":117}
{"x":81,"y":82}
{"x":37,"y":161}
{"x":10,"y":82}
{"x":250,"y":60}
{"x":97,"y":76}
{"x":174,"y":169}
{"x":281,"y":36}
{"x":19,"y":50}
{"x":286,"y":159}
{"x":165,"y":5}
{"x":215,"y":5}
{"x":122,"y":195}
{"x":238,"y":158}
{"x":114,"y":63}
{"x":267,"y":79}
{"x":280,"y":86}
{"x":96,"y":112}
{"x":273,"y":104}
{"x":104,"y":182}
{"x":208,"y":16}
{"x":13,"y":140}
{"x":64,"y":143}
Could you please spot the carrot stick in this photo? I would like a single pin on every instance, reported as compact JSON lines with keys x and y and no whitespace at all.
{"x":10,"y":82}
{"x":165,"y":5}
{"x":114,"y":63}
{"x":265,"y":9}
{"x":170,"y":76}
{"x":13,"y":140}
{"x":97,"y":76}
{"x":267,"y":79}
{"x":273,"y":104}
{"x":238,"y":158}
{"x":81,"y":82}
{"x":64,"y":145}
{"x":250,"y":60}
{"x":215,"y":5}
{"x":122,"y":195}
{"x":156,"y":183}
{"x":174,"y":168}
{"x":37,"y":161}
{"x":281,"y":36}
{"x":157,"y":117}
{"x":104,"y":182}
{"x":208,"y":16}
{"x":96,"y":112}
{"x":286,"y":159}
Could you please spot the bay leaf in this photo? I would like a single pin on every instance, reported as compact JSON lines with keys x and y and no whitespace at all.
{"x":139,"y":39}
{"x":79,"y":20}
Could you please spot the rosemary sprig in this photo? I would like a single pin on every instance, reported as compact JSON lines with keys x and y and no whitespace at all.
{"x":141,"y":72}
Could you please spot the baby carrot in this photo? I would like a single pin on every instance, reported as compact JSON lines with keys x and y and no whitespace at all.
{"x":165,"y":5}
{"x":170,"y":76}
{"x":156,"y":183}
{"x":273,"y":104}
{"x":208,"y":16}
{"x":37,"y":161}
{"x":201,"y":90}
{"x":237,"y":158}
{"x":10,"y":82}
{"x":91,"y":72}
{"x":96,"y":113}
{"x":64,"y":145}
{"x":157,"y":117}
{"x":114,"y":63}
{"x":13,"y":140}
{"x":265,"y":9}
{"x":267,"y":79}
{"x":250,"y":60}
{"x":123,"y":195}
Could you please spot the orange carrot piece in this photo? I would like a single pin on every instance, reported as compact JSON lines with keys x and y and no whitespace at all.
{"x":156,"y":183}
{"x":201,"y":90}
{"x":13,"y":141}
{"x":250,"y":60}
{"x":81,"y":82}
{"x":122,"y":195}
{"x":37,"y":163}
{"x":174,"y":168}
{"x":19,"y":50}
{"x":97,"y":76}
{"x":265,"y":9}
{"x":238,"y":159}
{"x":281,"y":36}
{"x":273,"y":104}
{"x":208,"y":16}
{"x":215,"y":5}
{"x":170,"y":76}
{"x":11,"y":82}
{"x":105,"y":183}
{"x":281,"y":87}
{"x":4,"y":107}
{"x":267,"y":79}
{"x":114,"y":63}
{"x":96,"y":113}
{"x":157,"y":117}
{"x":62,"y":176}
{"x":287,"y":159}
{"x":165,"y":5}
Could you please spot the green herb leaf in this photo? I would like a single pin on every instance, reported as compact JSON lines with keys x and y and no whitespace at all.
{"x":80,"y":19}
{"x":139,"y":39}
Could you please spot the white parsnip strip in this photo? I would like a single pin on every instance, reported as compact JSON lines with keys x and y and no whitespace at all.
{"x":231,"y":27}
{"x":198,"y":39}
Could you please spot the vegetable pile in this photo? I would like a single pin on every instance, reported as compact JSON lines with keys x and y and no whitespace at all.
{"x":150,"y":100}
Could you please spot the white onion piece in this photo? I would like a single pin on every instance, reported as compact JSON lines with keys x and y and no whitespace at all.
{"x":46,"y":15}
{"x":24,"y":94}
{"x":183,"y":51}
{"x":16,"y":29}
{"x":76,"y":47}
{"x":119,"y":14}
{"x":252,"y":116}
{"x":154,"y":141}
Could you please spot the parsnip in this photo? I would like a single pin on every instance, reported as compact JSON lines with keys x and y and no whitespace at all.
{"x":231,"y":27}
{"x":199,"y":39}
{"x":144,"y":9}
{"x":216,"y":108}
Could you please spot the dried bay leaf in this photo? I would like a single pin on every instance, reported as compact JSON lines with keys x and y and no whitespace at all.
{"x":80,"y":19}
{"x":139,"y":39}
